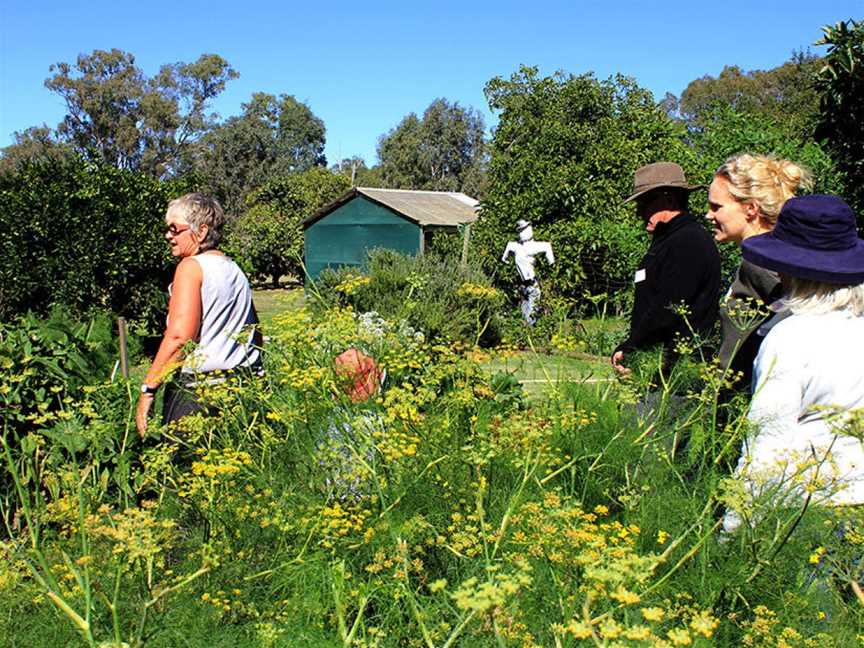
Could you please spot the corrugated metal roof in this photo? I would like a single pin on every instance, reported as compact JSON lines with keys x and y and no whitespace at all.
{"x":441,"y":208}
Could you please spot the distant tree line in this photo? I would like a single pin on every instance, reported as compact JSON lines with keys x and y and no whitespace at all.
{"x":562,"y":155}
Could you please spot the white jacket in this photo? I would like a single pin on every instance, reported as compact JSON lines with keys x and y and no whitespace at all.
{"x":807,"y":367}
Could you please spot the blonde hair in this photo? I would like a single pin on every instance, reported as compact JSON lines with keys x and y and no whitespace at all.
{"x":765,"y":180}
{"x":197,"y":210}
{"x":809,"y":297}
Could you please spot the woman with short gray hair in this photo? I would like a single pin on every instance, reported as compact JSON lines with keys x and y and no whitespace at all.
{"x":204,"y":214}
{"x":210,"y":305}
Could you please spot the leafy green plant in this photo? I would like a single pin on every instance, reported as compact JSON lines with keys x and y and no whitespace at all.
{"x":84,"y":235}
{"x":43,"y":360}
{"x":841,"y":94}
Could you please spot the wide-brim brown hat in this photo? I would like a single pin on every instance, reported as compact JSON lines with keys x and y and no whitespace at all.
{"x":659,"y":175}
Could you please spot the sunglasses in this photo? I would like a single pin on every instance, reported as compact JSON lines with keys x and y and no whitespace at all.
{"x":174,"y":230}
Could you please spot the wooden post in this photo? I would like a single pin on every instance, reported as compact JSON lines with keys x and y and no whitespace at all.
{"x":466,"y":236}
{"x":124,"y":358}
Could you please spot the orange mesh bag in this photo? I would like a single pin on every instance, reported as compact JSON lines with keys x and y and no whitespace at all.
{"x":361,"y":376}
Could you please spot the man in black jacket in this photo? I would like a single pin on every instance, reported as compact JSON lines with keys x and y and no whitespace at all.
{"x":682,"y":266}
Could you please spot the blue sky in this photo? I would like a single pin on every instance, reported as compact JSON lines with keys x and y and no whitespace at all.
{"x":361,"y":67}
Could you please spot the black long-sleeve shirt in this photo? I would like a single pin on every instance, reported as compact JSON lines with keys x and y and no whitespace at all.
{"x":682,"y":265}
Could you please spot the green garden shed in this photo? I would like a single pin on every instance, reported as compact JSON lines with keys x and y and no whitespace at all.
{"x":362,"y":219}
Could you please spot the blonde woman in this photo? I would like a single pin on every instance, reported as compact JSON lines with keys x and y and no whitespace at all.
{"x":744,"y":200}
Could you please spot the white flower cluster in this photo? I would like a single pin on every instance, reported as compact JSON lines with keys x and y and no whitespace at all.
{"x":371,"y":324}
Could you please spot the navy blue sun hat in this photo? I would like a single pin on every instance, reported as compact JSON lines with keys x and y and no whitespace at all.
{"x":816,"y":237}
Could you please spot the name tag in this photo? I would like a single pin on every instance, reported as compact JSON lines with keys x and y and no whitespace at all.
{"x":639,"y":276}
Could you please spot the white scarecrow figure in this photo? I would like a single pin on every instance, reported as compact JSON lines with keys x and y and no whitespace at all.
{"x":525,"y":250}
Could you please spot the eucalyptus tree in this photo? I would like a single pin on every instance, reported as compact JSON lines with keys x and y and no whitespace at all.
{"x":273,"y":137}
{"x":445,"y":150}
{"x":119,"y":115}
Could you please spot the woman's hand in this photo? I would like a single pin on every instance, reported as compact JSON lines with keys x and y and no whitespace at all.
{"x":618,"y":364}
{"x":145,"y":403}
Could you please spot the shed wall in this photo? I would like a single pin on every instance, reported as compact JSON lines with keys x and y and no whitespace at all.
{"x":342,"y":237}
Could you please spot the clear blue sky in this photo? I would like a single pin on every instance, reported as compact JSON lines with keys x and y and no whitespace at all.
{"x":362,"y":66}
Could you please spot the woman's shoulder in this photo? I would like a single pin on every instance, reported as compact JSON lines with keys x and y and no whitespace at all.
{"x":216,"y":262}
{"x":187,"y":269}
{"x":758,"y":281}
{"x":806,"y":329}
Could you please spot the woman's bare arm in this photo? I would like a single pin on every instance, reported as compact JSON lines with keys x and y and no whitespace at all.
{"x":184,"y":320}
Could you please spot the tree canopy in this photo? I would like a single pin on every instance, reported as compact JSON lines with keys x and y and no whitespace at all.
{"x":33,"y":144}
{"x":116,"y":114}
{"x":443,"y":151}
{"x":786,"y":94}
{"x":274,"y":136}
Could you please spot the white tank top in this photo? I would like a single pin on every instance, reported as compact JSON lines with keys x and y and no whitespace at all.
{"x":225,"y":340}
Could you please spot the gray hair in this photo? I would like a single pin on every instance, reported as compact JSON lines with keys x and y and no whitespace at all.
{"x":808,"y":297}
{"x":198,"y":209}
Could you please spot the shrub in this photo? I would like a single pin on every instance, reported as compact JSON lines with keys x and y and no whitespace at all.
{"x":85,"y":236}
{"x":431,"y":293}
{"x":563,"y":156}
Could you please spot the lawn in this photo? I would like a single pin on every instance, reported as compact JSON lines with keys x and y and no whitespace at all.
{"x":270,"y":301}
{"x":537,"y":371}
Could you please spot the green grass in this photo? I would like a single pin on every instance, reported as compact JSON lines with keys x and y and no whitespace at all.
{"x":538,"y":371}
{"x":270,"y":302}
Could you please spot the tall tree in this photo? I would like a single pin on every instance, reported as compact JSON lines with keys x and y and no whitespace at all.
{"x":445,"y":150}
{"x":118,"y":115}
{"x":274,"y":136}
{"x":841,"y":120}
{"x":34,"y":144}
{"x":563,"y":156}
{"x":268,"y":238}
{"x":358,"y":173}
{"x":786,"y":94}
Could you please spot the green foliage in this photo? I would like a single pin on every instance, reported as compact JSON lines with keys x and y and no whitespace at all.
{"x":42,"y":361}
{"x":443,"y":151}
{"x":267,"y":240}
{"x":119,"y":116}
{"x":273,"y":137}
{"x":728,"y":132}
{"x":785,"y":94}
{"x":841,"y":84}
{"x":432,"y":293}
{"x":34,"y":143}
{"x":85,"y":235}
{"x":563,"y":156}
